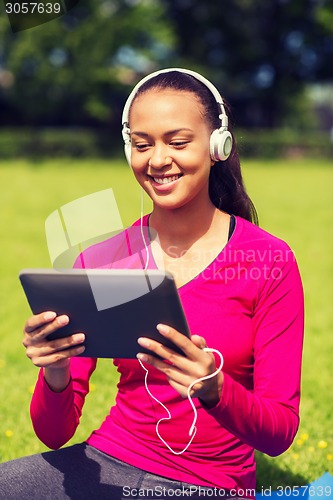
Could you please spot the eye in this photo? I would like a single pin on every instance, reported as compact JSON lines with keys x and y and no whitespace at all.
{"x":179,"y":144}
{"x":141,"y":146}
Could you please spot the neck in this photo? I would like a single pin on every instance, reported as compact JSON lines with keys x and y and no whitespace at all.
{"x":184,"y":225}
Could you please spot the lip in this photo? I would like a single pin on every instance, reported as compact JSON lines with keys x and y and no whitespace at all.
{"x":164,"y":187}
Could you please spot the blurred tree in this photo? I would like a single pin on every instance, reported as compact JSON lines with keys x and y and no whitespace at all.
{"x":73,"y":70}
{"x":78,"y":69}
{"x":261,"y":53}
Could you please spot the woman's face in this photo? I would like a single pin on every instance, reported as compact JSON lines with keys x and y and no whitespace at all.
{"x":170,"y":147}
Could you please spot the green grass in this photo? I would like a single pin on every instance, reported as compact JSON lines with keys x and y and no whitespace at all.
{"x":294,"y":201}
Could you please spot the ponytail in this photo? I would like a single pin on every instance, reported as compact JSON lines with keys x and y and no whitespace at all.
{"x":227,"y":190}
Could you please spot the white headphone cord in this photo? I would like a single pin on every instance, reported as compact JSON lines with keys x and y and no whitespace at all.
{"x":193,"y":429}
{"x":141,"y":229}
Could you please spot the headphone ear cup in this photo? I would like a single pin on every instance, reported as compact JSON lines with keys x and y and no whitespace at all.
{"x":220,"y":144}
{"x":128,"y":151}
{"x":126,"y":133}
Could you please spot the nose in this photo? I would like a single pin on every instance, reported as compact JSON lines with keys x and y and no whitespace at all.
{"x":159,"y":157}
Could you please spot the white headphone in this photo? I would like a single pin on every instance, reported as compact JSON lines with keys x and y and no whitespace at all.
{"x":220,"y":139}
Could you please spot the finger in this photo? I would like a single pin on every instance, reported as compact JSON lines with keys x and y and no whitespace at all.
{"x":41,"y":332}
{"x":193,"y":351}
{"x":38,"y":320}
{"x":181,"y":381}
{"x":38,"y":342}
{"x":176,"y":378}
{"x":169,"y":363}
{"x":184,"y":363}
{"x":202,"y":344}
{"x":52,"y":359}
{"x":151,"y":360}
{"x":50,"y":346}
{"x":180,"y":340}
{"x":199,"y":341}
{"x":163,"y":352}
{"x":71,"y":345}
{"x":173,"y":374}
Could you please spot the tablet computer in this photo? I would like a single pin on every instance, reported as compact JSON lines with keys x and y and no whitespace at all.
{"x":113,"y":308}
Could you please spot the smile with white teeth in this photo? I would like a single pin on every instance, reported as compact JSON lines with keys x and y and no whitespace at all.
{"x":166,"y":180}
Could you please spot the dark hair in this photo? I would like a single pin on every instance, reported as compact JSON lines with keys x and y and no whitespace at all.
{"x":226,"y":186}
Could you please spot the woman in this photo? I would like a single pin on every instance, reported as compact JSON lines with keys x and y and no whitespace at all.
{"x":242,"y":295}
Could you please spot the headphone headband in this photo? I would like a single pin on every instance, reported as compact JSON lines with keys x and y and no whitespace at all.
{"x":197,"y":76}
{"x":221,"y":142}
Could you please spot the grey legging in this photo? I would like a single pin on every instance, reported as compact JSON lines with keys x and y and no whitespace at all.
{"x":82,"y":472}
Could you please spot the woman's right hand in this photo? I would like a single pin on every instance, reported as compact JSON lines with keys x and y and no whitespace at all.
{"x":52,"y":355}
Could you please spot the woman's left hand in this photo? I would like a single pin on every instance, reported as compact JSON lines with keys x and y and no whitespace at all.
{"x":183,"y":370}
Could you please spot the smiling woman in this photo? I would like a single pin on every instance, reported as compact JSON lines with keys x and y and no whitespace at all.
{"x":226,"y":188}
{"x":240,"y":300}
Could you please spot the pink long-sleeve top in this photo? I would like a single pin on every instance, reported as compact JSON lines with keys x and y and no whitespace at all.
{"x":248,"y":304}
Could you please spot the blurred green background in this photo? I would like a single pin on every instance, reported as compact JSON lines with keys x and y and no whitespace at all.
{"x":63,"y":85}
{"x":271,"y":60}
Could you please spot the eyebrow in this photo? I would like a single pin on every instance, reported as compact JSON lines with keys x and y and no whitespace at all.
{"x":170,"y":132}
